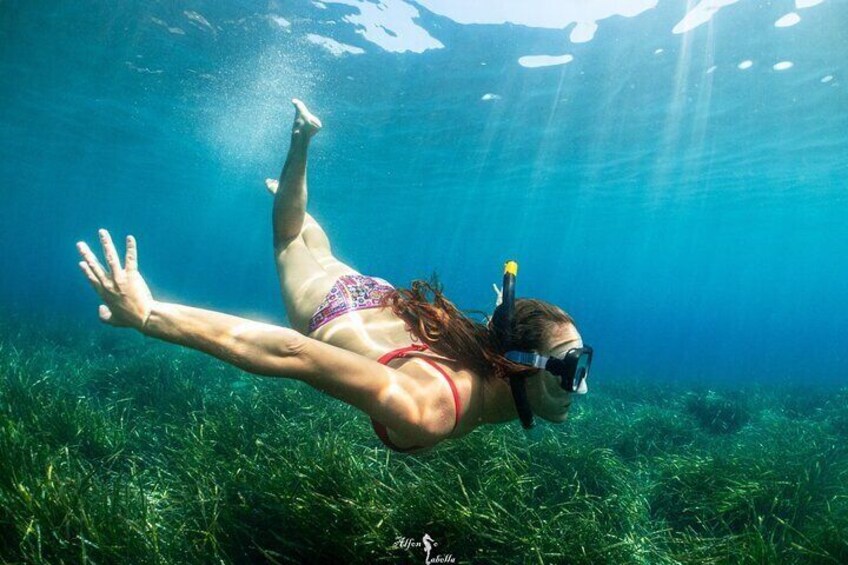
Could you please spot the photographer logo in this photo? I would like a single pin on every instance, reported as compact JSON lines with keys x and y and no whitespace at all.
{"x":427,"y":545}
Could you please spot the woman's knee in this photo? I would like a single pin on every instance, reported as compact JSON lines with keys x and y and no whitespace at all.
{"x":315,"y":237}
{"x":284,"y":244}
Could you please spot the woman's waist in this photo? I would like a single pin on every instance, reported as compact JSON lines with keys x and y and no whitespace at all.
{"x":370,"y":332}
{"x":373,"y":333}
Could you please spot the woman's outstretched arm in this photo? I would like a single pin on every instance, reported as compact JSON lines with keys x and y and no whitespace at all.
{"x":262,"y":349}
{"x":389,"y":396}
{"x":253,"y":346}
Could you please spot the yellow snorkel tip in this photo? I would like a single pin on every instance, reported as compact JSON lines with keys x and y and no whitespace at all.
{"x":511,"y":267}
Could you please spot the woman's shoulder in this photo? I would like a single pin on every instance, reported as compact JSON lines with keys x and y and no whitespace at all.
{"x":453,"y":405}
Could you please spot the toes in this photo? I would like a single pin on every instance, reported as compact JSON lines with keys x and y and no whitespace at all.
{"x":272,"y":185}
{"x":304,"y":121}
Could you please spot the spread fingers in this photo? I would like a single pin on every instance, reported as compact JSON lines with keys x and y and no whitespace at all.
{"x":131,"y":261}
{"x":111,"y":254}
{"x":92,"y":263}
{"x":92,"y":278}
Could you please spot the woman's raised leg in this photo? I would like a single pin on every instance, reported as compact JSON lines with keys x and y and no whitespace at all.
{"x":303,"y":280}
{"x":305,"y":263}
{"x":317,"y":242}
{"x":290,"y":199}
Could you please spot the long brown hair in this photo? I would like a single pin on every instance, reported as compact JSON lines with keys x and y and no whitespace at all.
{"x":437,"y":322}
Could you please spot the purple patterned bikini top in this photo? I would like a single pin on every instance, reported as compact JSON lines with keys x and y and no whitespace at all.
{"x":350,"y":293}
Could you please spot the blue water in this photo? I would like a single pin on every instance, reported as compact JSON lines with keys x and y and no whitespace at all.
{"x":693,"y":222}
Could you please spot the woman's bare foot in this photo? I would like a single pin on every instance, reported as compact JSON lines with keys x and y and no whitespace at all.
{"x":305,"y":123}
{"x":304,"y":127}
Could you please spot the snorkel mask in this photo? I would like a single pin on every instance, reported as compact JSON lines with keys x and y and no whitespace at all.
{"x":572,"y":369}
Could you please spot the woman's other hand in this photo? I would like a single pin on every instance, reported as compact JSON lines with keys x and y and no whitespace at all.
{"x":127,"y":298}
{"x":498,"y":295}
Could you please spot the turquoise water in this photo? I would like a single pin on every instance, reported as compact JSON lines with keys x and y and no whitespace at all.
{"x":689,"y":213}
{"x":671,"y":173}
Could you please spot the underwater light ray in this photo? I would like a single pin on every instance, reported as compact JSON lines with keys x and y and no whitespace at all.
{"x":486,"y":142}
{"x":550,"y":135}
{"x":673,"y":118}
{"x":703,"y":108}
{"x":556,"y":100}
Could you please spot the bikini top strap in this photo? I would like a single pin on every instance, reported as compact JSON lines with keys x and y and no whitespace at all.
{"x":410,"y":351}
{"x":419,"y":348}
{"x":401,"y":352}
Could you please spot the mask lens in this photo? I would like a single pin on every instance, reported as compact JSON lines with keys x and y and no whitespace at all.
{"x":581,"y":373}
{"x":582,"y":369}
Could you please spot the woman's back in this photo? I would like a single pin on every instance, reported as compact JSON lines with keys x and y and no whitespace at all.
{"x":377,"y":332}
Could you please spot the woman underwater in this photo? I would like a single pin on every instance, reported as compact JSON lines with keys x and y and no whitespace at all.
{"x":418,"y":367}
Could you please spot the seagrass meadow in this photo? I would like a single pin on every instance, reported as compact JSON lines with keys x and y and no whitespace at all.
{"x":119,"y":449}
{"x":672,"y":174}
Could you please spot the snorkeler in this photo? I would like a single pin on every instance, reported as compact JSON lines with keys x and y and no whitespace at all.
{"x":421,"y":370}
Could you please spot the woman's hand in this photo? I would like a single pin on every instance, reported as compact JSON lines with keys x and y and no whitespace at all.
{"x":498,"y":295}
{"x":127,"y":298}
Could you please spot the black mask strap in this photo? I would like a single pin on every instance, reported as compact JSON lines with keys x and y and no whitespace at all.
{"x":502,"y":321}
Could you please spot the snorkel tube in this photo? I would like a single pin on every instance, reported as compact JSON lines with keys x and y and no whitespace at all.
{"x":502,"y":321}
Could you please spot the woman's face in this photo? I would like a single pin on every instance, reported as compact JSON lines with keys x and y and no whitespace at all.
{"x":547,"y":398}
